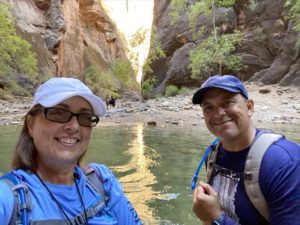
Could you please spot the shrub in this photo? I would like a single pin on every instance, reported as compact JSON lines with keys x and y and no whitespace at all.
{"x":147,"y":86}
{"x":183,"y":91}
{"x":171,"y":90}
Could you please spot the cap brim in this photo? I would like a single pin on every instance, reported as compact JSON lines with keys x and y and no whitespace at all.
{"x":97,"y":104}
{"x":198,"y":96}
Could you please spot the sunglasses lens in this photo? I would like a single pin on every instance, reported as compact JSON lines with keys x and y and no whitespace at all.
{"x":87,"y":120}
{"x":64,"y":116}
{"x":58,"y":115}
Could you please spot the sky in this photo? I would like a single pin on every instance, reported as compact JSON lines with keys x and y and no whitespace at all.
{"x":139,"y":15}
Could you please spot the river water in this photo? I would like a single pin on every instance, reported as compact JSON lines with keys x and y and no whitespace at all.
{"x":154,"y":164}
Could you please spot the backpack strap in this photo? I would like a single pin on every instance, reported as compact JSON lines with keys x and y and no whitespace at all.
{"x":261,"y":143}
{"x":211,"y":161}
{"x":22,"y":199}
{"x":95,"y":180}
{"x":263,"y":140}
{"x":77,"y":220}
{"x":15,"y":216}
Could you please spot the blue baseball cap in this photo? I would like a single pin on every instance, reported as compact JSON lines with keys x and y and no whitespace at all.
{"x":226,"y":82}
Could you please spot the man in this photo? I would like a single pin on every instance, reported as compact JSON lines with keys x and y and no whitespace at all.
{"x":227,"y":112}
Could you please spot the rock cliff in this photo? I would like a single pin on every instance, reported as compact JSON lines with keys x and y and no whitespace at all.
{"x":68,"y":36}
{"x":268,"y":49}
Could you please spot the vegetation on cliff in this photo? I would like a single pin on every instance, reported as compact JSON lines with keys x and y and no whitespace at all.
{"x":16,"y":57}
{"x":294,"y":14}
{"x":256,"y":40}
{"x":111,"y":82}
{"x":216,"y":52}
{"x":155,"y":53}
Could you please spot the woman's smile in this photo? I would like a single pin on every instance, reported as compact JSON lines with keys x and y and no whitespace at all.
{"x":68,"y":141}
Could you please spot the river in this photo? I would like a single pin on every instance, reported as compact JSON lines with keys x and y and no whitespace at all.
{"x":154,"y":164}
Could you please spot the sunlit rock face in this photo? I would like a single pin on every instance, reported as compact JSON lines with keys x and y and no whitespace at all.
{"x":268,"y":50}
{"x":68,"y":36}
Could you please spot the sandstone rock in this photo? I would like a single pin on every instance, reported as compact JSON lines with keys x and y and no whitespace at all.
{"x":269,"y":48}
{"x":73,"y":32}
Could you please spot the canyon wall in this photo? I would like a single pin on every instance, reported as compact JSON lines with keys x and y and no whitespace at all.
{"x":68,"y":36}
{"x":268,"y":49}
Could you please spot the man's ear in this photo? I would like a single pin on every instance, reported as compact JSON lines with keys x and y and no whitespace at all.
{"x":250,"y":106}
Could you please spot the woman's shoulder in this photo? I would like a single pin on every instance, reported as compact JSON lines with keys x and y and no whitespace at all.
{"x":106,"y":176}
{"x":5,"y":188}
{"x":6,"y":200}
{"x":102,"y":170}
{"x":111,"y":184}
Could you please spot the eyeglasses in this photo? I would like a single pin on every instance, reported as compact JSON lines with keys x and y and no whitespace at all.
{"x":64,"y":116}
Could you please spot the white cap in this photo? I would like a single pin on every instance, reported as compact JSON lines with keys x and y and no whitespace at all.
{"x":58,"y":89}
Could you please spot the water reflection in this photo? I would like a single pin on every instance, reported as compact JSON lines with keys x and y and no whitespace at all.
{"x":154,"y":164}
{"x":139,"y":179}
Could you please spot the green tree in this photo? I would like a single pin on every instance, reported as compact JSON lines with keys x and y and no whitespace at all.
{"x":178,"y":8}
{"x":16,"y":56}
{"x":138,"y":37}
{"x":100,"y":82}
{"x":216,"y":52}
{"x":294,"y":14}
{"x":122,"y":69}
{"x":147,"y":86}
{"x":155,"y":52}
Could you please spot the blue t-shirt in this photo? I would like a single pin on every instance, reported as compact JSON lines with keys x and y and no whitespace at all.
{"x":117,"y":211}
{"x":278,"y":179}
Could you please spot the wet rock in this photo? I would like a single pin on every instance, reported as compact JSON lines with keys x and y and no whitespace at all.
{"x":152,"y":123}
{"x":264,"y":91}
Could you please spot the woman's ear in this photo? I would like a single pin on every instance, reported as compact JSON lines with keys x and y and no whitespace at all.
{"x":30,"y":124}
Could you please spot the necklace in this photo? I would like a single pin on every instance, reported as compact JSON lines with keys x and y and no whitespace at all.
{"x":57,"y":203}
{"x":81,"y":200}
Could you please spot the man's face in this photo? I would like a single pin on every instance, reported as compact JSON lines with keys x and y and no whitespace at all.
{"x":226,"y":114}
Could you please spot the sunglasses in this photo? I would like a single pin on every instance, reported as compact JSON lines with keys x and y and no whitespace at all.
{"x":63,"y":116}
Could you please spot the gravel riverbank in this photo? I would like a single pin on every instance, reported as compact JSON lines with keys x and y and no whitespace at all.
{"x":272,"y":104}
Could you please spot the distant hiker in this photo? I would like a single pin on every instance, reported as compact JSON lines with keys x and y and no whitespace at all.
{"x":111,"y":101}
{"x":253,"y":175}
{"x":48,"y":184}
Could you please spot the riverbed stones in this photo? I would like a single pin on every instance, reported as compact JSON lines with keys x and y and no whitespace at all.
{"x":269,"y":107}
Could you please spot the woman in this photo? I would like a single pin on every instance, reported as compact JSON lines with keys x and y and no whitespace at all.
{"x":54,"y":138}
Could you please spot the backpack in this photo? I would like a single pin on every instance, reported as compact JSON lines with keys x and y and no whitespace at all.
{"x":263,"y":140}
{"x":22,"y":200}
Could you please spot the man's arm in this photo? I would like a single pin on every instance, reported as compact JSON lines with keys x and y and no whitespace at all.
{"x":280,"y":183}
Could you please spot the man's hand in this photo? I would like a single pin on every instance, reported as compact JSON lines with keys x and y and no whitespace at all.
{"x":206,"y":204}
